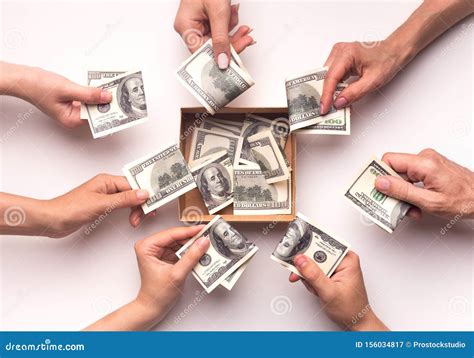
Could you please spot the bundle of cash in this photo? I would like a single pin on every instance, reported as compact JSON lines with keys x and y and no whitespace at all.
{"x":254,"y":196}
{"x":303,"y":93}
{"x":127,"y":108}
{"x":383,"y":210}
{"x":264,"y":181}
{"x":214,"y":88}
{"x":227,"y":256}
{"x":214,"y":176}
{"x":304,"y":238}
{"x":164,"y":174}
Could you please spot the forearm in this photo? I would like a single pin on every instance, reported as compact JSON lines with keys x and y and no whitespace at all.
{"x":425,"y":24}
{"x":25,"y":216}
{"x":134,"y":316}
{"x":16,"y":80}
{"x":370,"y":322}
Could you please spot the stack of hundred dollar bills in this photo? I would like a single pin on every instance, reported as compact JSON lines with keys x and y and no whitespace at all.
{"x":242,"y":163}
{"x":303,"y":93}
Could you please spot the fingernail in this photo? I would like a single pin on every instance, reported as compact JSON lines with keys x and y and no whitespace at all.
{"x":222,"y":61}
{"x":301,"y":261}
{"x":382,"y":184}
{"x":142,"y":194}
{"x":153,"y":213}
{"x":202,"y":242}
{"x":321,"y":108}
{"x":105,"y":96}
{"x":253,"y":43}
{"x":237,"y":7}
{"x":249,"y":31}
{"x":340,"y":102}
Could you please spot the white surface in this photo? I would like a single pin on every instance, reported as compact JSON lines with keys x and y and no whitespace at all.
{"x":417,"y":279}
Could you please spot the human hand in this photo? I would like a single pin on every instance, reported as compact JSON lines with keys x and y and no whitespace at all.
{"x":55,"y":95}
{"x":199,"y":20}
{"x":343,"y":296}
{"x":448,"y":188}
{"x":95,"y":198}
{"x":374,"y":65}
{"x":162,"y":274}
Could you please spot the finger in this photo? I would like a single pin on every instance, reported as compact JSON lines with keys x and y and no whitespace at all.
{"x":126,"y":199}
{"x":241,"y":32}
{"x":116,"y":184}
{"x":354,"y":92}
{"x":309,"y":287}
{"x":219,"y":18}
{"x":90,"y":95}
{"x":190,"y":259}
{"x":234,"y":16}
{"x":313,"y":275}
{"x":173,"y":235}
{"x":401,"y":189}
{"x":335,"y":75}
{"x":414,"y":166}
{"x":134,"y":217}
{"x":242,"y":43}
{"x":73,"y":118}
{"x":293,"y":277}
{"x":415,"y":213}
{"x":143,"y":218}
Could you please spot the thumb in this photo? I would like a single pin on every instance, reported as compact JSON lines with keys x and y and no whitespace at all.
{"x":191,"y":258}
{"x":353,"y":93}
{"x":219,"y":18}
{"x":125,"y":199}
{"x":313,"y":275}
{"x":399,"y":188}
{"x":90,"y":95}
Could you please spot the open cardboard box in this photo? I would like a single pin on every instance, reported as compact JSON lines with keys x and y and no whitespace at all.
{"x":191,"y":207}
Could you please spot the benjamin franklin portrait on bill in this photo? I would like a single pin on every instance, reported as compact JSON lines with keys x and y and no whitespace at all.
{"x":296,"y":240}
{"x":131,"y":96}
{"x":214,"y":184}
{"x":228,"y":241}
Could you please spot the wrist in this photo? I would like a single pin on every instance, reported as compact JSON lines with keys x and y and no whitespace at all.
{"x":17,"y":80}
{"x":148,"y":312}
{"x":369,"y":322}
{"x":401,"y":52}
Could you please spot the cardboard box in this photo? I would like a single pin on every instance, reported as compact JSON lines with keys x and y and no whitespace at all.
{"x":191,"y":206}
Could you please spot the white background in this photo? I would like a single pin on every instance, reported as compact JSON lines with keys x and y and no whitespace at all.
{"x":417,"y":279}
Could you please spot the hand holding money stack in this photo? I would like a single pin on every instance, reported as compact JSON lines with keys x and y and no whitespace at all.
{"x":214,"y":88}
{"x":303,"y":93}
{"x":127,"y":108}
{"x":227,"y":257}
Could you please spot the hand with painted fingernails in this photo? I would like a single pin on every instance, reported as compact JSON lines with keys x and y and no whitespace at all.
{"x":199,"y":20}
{"x":443,"y":188}
{"x":342,"y":296}
{"x":53,"y":94}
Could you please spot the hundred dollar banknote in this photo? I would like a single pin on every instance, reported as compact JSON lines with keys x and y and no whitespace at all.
{"x":228,"y":251}
{"x":302,"y":237}
{"x":93,"y":79}
{"x":335,"y":126}
{"x":253,"y":124}
{"x":205,"y":142}
{"x":214,"y":176}
{"x":303,"y":93}
{"x":127,"y":108}
{"x":254,"y":196}
{"x":214,"y":88}
{"x":383,"y":210}
{"x":212,"y":125}
{"x":163,"y":173}
{"x":269,"y":157}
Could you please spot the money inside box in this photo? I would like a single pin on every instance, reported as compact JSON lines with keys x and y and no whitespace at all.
{"x":243,"y":161}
